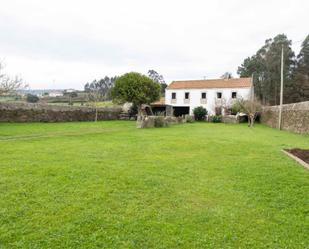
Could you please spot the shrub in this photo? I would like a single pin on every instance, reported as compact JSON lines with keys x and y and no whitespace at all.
{"x":235,"y":108}
{"x":199,"y":113}
{"x":32,"y":98}
{"x":189,"y":118}
{"x":159,"y":121}
{"x":216,"y":119}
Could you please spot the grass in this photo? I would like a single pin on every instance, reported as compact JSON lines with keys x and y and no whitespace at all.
{"x":110,"y":185}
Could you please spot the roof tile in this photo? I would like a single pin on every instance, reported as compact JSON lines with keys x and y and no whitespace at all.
{"x":213,"y":83}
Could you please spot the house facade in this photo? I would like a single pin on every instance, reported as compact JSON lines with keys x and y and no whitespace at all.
{"x":184,"y":96}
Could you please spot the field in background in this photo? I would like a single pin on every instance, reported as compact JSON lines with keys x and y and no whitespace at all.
{"x":62,"y":101}
{"x":110,"y":185}
{"x":100,"y":104}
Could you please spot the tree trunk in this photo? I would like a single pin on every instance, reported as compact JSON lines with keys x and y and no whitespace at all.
{"x":139,"y":120}
{"x":251,"y":120}
{"x":96,"y":114}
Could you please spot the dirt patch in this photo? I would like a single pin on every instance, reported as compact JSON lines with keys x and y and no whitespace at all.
{"x":300,"y":153}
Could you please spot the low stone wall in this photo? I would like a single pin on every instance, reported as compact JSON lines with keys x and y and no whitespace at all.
{"x":159,"y":121}
{"x":295,"y":117}
{"x":24,"y":112}
{"x":230,"y":119}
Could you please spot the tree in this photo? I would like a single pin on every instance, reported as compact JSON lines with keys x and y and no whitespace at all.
{"x":250,"y":107}
{"x":155,"y":76}
{"x":94,"y":97}
{"x":301,"y":75}
{"x":227,"y":75}
{"x":71,"y":96}
{"x":9,"y":84}
{"x":265,"y":67}
{"x":136,"y":88}
{"x":103,"y":86}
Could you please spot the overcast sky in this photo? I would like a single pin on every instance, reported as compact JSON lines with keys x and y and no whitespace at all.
{"x":65,"y":43}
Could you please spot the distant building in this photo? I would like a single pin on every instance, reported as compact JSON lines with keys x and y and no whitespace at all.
{"x":70,"y":90}
{"x":55,"y":93}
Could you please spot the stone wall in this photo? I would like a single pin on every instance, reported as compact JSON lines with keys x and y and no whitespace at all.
{"x":159,"y":121}
{"x":295,"y":117}
{"x":24,"y":112}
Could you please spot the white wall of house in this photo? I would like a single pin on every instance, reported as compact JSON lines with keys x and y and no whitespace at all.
{"x":195,"y":97}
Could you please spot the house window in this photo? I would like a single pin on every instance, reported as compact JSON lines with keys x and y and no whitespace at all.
{"x":203,"y":96}
{"x":187,"y":95}
{"x":234,"y":95}
{"x":219,"y":95}
{"x":173,"y":95}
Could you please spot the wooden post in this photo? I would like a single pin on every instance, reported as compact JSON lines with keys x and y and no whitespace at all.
{"x":281,"y":91}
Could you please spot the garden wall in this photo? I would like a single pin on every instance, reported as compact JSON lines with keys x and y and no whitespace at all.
{"x":295,"y":117}
{"x":161,"y":121}
{"x":24,"y":112}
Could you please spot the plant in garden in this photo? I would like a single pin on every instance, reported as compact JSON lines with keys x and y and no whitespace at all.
{"x":235,"y":108}
{"x":189,"y":119}
{"x":94,"y":97}
{"x":251,"y":108}
{"x":159,"y":121}
{"x":216,"y":119}
{"x":200,"y":113}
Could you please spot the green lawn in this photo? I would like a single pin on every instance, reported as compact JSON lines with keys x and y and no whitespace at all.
{"x":110,"y":185}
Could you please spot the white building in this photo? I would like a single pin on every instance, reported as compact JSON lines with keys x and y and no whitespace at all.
{"x":55,"y":94}
{"x":184,"y":96}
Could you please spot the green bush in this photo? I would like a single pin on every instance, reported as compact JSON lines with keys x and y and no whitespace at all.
{"x":216,"y":119}
{"x":235,"y":108}
{"x":32,"y":98}
{"x":199,"y":113}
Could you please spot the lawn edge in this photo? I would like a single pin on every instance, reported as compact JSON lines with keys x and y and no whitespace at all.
{"x":300,"y":161}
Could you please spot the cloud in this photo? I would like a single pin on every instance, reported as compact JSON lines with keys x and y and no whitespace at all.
{"x":71,"y":42}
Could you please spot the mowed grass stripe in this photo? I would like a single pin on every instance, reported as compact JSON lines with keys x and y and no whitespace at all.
{"x":110,"y":185}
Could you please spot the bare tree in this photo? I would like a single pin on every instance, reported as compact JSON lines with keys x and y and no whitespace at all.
{"x":251,"y":108}
{"x":94,"y":97}
{"x":9,"y":84}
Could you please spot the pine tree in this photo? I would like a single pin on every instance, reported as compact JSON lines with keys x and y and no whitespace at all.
{"x":301,"y":76}
{"x":265,"y":67}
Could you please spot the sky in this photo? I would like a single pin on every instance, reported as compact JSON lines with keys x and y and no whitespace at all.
{"x":67,"y":43}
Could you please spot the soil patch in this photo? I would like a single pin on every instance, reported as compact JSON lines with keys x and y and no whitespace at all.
{"x":300,"y":153}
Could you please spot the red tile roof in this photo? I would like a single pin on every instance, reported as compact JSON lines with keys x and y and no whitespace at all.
{"x":214,"y":83}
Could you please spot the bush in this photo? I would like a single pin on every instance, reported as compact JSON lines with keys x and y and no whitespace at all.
{"x":32,"y":98}
{"x":189,"y":119}
{"x":216,"y":119}
{"x":235,"y":108}
{"x":199,"y":113}
{"x":159,"y":121}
